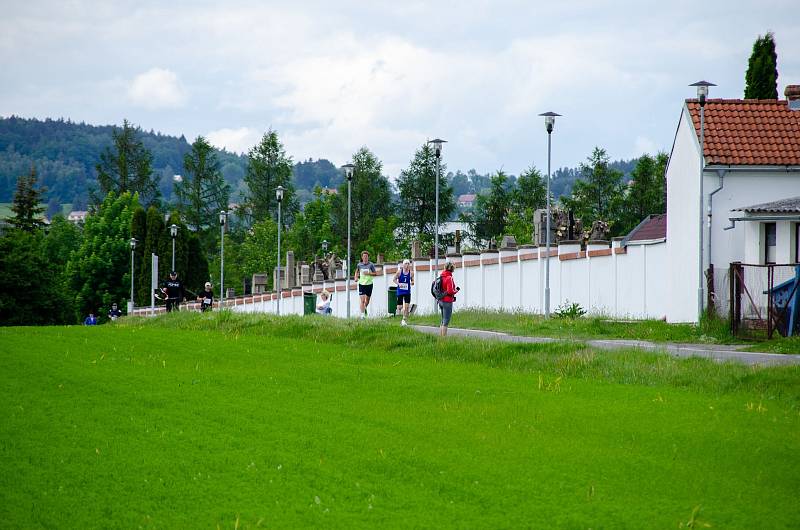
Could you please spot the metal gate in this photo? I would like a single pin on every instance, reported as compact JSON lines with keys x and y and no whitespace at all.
{"x":764,"y":299}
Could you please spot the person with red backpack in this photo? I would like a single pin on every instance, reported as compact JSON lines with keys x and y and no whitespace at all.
{"x":446,"y":295}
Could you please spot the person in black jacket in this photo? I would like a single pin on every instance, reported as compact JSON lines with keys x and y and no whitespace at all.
{"x":173,"y":289}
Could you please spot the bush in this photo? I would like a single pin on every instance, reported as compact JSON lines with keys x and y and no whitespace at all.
{"x":569,"y":310}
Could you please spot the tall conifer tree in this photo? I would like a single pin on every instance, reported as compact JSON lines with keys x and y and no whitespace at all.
{"x":128,"y":167}
{"x":26,"y":207}
{"x":761,"y":79}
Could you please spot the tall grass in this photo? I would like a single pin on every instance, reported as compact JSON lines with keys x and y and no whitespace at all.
{"x":569,"y":359}
{"x":242,"y":421}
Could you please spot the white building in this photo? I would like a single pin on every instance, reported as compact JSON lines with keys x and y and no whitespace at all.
{"x":751,"y":162}
{"x":77,"y":216}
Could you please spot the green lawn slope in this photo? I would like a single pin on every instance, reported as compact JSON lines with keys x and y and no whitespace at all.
{"x":217,"y":420}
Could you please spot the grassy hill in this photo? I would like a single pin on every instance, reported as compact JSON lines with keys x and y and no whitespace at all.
{"x":230,"y":421}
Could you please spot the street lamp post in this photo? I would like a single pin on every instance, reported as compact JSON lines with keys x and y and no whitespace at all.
{"x":133,"y":248}
{"x":279,"y":196}
{"x":549,"y":122}
{"x":702,"y":93}
{"x":173,"y":231}
{"x":348,"y":172}
{"x":437,"y":151}
{"x":222,"y":219}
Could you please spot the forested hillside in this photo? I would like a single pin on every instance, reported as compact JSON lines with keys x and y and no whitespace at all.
{"x":65,"y":154}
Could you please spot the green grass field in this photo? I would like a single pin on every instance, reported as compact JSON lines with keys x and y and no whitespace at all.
{"x":232,"y":421}
{"x":590,"y":327}
{"x":5,"y":209}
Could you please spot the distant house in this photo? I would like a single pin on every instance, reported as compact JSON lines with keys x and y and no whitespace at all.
{"x":466,"y":200}
{"x":330,"y":191}
{"x":77,"y":216}
{"x":751,"y":194}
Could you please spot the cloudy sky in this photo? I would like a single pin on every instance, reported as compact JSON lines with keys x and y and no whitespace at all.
{"x":333,"y":76}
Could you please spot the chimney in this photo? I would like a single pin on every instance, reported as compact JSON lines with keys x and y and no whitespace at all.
{"x":792,"y":94}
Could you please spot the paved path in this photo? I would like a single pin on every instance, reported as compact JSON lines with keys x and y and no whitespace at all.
{"x":718,"y":352}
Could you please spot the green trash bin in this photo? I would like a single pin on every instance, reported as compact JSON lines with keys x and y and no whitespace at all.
{"x":309,"y":304}
{"x":393,"y":300}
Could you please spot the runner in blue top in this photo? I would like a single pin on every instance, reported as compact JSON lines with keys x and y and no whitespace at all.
{"x":404,"y":278}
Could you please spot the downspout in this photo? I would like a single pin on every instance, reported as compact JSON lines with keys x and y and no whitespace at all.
{"x":721,"y":174}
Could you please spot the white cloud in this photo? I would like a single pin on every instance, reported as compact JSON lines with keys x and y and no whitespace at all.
{"x":331,"y":77}
{"x":644,"y":145}
{"x":235,"y":140}
{"x":157,"y":88}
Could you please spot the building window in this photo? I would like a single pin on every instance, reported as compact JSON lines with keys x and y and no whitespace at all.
{"x":770,"y":242}
{"x":797,"y":243}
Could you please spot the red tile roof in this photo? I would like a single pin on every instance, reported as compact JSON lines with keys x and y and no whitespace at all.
{"x":654,"y":227}
{"x":749,"y":131}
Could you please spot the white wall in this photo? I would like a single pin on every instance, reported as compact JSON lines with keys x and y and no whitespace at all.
{"x":683,"y":221}
{"x":627,"y":283}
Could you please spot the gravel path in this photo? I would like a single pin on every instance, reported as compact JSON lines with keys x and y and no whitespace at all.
{"x":718,"y":352}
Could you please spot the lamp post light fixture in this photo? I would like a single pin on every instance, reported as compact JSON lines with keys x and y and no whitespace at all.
{"x":437,"y":152}
{"x":324,"y":247}
{"x":133,"y":248}
{"x":279,"y":196}
{"x":549,"y":122}
{"x":223,"y":216}
{"x":349,"y":169}
{"x":702,"y":94}
{"x":173,"y":232}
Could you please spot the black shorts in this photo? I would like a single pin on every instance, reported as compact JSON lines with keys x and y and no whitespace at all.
{"x":365,"y":290}
{"x":403,"y":298}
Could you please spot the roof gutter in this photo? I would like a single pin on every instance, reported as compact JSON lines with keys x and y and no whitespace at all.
{"x":752,"y":169}
{"x":646,"y":241}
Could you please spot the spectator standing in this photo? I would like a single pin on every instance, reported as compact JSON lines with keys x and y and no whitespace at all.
{"x":446,"y":302}
{"x":324,"y":305}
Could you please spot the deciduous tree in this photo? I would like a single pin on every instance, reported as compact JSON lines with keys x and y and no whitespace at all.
{"x":311,"y":227}
{"x":645,"y":193}
{"x":99,"y":272}
{"x":597,"y":196}
{"x":488,"y":219}
{"x":417,"y":187}
{"x":371,"y":200}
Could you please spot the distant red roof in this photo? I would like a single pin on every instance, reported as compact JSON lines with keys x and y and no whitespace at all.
{"x":749,"y":131}
{"x":467,"y":197}
{"x":654,"y":227}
